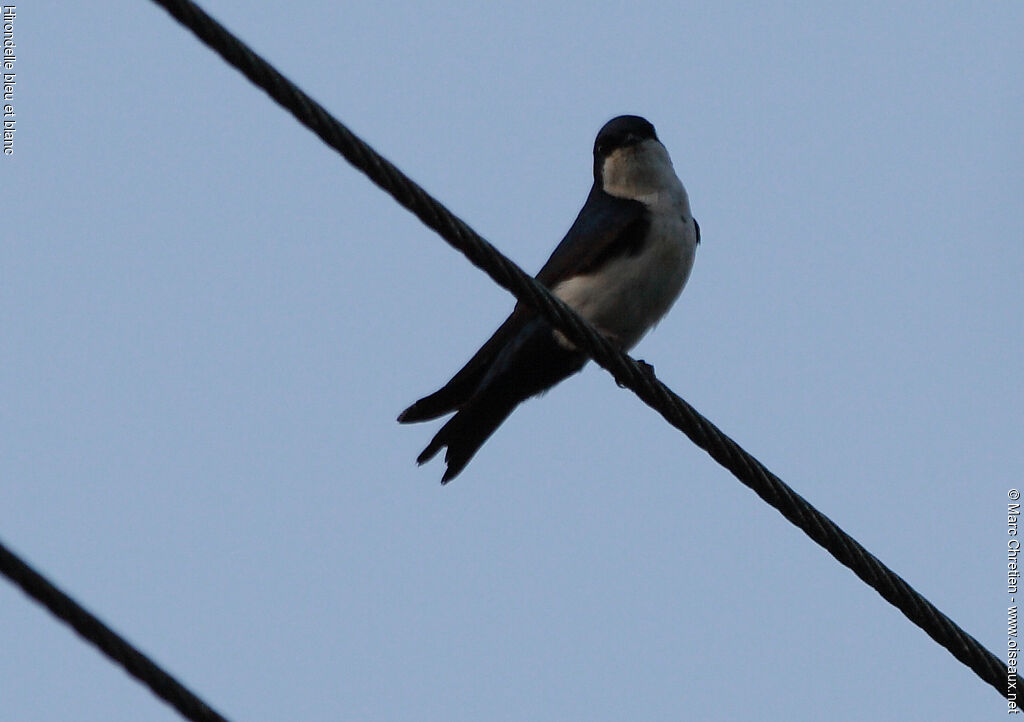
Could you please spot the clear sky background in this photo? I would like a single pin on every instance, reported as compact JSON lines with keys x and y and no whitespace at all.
{"x":210,"y":322}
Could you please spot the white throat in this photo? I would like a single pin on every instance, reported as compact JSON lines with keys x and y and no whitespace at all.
{"x":644,"y":172}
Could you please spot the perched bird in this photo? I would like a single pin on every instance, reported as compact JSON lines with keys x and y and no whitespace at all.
{"x":621,"y":266}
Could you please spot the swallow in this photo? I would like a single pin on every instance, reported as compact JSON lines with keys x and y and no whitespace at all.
{"x":621,"y":266}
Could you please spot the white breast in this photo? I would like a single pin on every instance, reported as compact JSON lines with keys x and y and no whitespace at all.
{"x":628,"y":295}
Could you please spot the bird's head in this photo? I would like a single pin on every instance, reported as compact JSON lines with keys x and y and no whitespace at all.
{"x":629,"y":160}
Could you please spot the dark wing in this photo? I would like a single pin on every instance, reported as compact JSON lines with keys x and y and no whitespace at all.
{"x":530,"y":363}
{"x":606,"y":228}
{"x":463,"y":384}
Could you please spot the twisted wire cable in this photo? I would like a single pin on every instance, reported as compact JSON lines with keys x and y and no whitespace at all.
{"x":113,"y":645}
{"x":638,"y":377}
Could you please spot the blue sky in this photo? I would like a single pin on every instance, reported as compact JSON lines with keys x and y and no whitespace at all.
{"x":210,"y":322}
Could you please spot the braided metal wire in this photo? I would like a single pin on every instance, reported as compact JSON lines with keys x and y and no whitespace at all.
{"x":108,"y":641}
{"x":638,"y":377}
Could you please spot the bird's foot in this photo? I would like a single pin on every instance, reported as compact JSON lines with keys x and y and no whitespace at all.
{"x":646,"y":367}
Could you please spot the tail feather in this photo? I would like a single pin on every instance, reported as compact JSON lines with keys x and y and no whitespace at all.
{"x":464,"y":434}
{"x":462,"y":385}
{"x":528,"y":364}
{"x":441,"y":402}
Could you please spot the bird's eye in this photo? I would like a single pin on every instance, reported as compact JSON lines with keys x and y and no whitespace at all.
{"x":601,"y":148}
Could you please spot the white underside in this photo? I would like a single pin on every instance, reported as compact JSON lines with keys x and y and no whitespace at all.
{"x":626,"y":297}
{"x":630,"y":294}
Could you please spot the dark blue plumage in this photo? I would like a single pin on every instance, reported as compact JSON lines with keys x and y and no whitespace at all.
{"x":637,"y":243}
